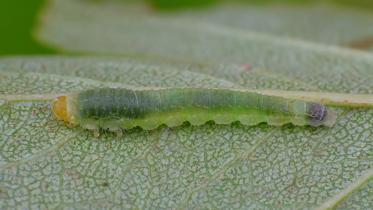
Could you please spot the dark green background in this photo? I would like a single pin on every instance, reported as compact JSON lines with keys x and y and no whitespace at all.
{"x":18,"y":17}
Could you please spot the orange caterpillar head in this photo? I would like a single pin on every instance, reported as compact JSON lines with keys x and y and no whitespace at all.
{"x":59,"y":108}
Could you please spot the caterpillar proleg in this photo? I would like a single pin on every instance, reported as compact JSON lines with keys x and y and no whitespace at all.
{"x":119,"y":108}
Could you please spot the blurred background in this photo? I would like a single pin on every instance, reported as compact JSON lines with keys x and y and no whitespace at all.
{"x":18,"y":18}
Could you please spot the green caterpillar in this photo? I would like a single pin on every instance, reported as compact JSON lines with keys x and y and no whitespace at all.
{"x":118,"y":108}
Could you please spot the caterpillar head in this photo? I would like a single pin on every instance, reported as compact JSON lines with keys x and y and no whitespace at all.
{"x":59,"y":108}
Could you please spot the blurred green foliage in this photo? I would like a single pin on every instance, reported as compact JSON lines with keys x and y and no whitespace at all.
{"x":364,"y":4}
{"x":17,"y":19}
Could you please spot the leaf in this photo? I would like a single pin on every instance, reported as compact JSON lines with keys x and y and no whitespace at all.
{"x":45,"y":164}
{"x":323,"y":23}
{"x":112,"y":28}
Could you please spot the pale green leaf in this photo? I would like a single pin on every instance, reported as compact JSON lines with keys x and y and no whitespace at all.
{"x":322,"y":23}
{"x":113,"y":28}
{"x":319,"y":21}
{"x":45,"y":164}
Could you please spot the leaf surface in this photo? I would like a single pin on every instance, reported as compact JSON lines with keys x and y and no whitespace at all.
{"x":45,"y":164}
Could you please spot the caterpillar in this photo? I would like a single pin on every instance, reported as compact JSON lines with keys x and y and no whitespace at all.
{"x":115,"y":109}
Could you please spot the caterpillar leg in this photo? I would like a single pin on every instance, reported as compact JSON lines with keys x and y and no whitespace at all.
{"x":92,"y":126}
{"x":96,"y":133}
{"x":119,"y":133}
{"x":112,"y":126}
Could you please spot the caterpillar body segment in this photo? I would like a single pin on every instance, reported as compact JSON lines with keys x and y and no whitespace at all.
{"x":119,"y":108}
